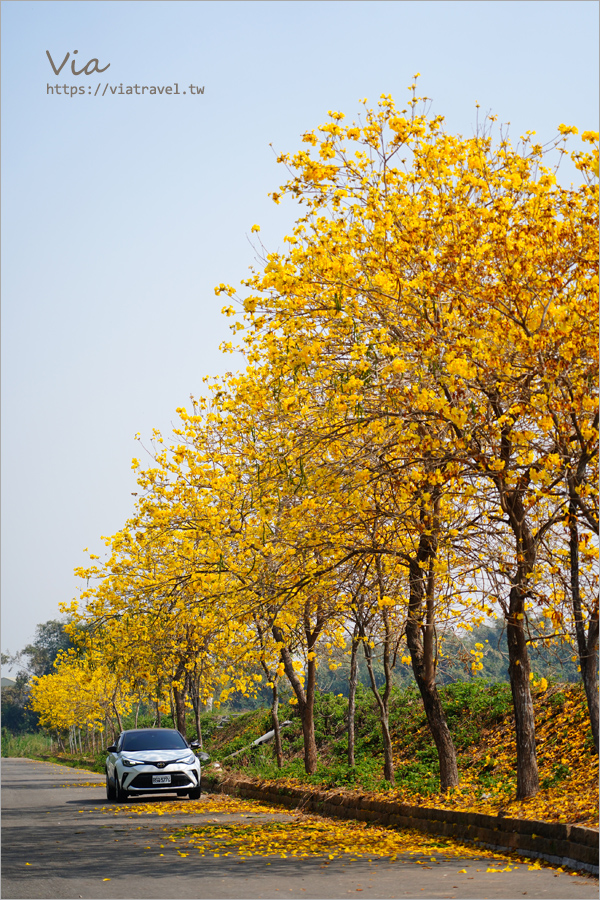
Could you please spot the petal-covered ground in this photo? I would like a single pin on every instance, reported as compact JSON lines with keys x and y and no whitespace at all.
{"x":311,"y":836}
{"x":305,"y":836}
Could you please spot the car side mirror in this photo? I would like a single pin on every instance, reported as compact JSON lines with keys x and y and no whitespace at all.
{"x":194,"y":745}
{"x":112,"y":748}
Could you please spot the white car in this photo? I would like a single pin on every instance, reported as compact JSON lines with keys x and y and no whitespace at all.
{"x":152,"y":761}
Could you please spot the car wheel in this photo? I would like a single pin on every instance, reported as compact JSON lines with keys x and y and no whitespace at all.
{"x":120,"y":795}
{"x":194,"y":794}
{"x":111,"y":794}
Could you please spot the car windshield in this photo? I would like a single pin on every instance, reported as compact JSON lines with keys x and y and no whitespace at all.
{"x":153,"y":739}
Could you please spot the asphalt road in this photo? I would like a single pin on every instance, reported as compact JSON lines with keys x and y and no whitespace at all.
{"x":61,"y":839}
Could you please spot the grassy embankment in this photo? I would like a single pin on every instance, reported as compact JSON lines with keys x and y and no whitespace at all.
{"x":480,"y":718}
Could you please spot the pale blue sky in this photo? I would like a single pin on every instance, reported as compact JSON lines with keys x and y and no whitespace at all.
{"x":120,"y":214}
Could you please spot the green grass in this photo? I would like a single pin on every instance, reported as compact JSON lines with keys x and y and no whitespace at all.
{"x":38,"y":746}
{"x":95,"y":764}
{"x":30,"y":745}
{"x":471,"y":709}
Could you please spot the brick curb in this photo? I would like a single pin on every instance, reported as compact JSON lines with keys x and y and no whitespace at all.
{"x":561,"y":844}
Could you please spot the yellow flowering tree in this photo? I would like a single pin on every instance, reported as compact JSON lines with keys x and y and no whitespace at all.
{"x":426,"y":300}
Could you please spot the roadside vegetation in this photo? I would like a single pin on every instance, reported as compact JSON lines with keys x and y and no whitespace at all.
{"x":33,"y":745}
{"x":482,"y":726}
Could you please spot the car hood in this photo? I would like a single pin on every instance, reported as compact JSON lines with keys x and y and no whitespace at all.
{"x":155,"y":755}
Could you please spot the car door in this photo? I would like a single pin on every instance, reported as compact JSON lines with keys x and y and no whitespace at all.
{"x":112,"y":757}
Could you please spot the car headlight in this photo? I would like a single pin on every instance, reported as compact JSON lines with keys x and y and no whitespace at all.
{"x":132,"y":762}
{"x":189,"y":759}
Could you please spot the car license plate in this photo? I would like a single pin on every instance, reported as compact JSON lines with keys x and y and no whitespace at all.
{"x":161,"y":779}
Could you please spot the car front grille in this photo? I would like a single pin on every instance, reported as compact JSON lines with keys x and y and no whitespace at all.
{"x":143,"y":781}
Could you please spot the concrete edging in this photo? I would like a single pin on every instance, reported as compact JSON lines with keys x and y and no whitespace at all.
{"x":561,"y":844}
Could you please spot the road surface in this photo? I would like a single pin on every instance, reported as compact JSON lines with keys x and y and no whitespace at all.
{"x":60,"y":838}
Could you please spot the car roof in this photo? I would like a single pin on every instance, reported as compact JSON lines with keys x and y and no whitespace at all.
{"x":137,"y":730}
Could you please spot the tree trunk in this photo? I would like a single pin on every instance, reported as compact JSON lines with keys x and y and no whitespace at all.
{"x":308,"y":719}
{"x":274,"y":679}
{"x":383,"y":699}
{"x":422,"y":655}
{"x":589,"y":675}
{"x":384,"y":718}
{"x":117,"y":715}
{"x":109,"y":726}
{"x":195,"y":695}
{"x":158,"y":715}
{"x":276,"y":729}
{"x":511,"y":502}
{"x":518,"y":668}
{"x":172,"y":705}
{"x":587,"y":646}
{"x":518,"y":658}
{"x":179,"y":698}
{"x":352,"y":684}
{"x":306,"y":700}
